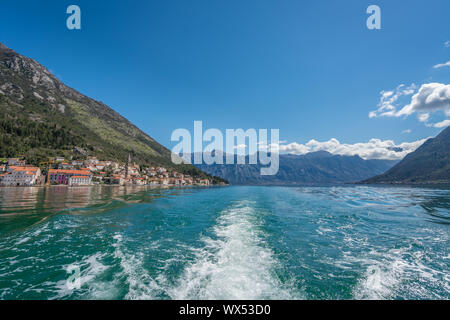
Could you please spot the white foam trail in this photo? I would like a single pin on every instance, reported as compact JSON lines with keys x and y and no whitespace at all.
{"x":397,"y":272}
{"x":86,"y":282}
{"x":235,"y":265}
{"x":379,"y":282}
{"x":141,"y":286}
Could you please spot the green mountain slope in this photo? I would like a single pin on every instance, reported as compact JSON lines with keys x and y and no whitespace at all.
{"x":40,"y":117}
{"x":428,"y":164}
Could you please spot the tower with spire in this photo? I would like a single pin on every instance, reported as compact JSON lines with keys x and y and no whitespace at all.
{"x":127,"y":167}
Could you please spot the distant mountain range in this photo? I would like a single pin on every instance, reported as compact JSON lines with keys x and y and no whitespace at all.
{"x":41,"y":117}
{"x":312,"y":168}
{"x":430,"y":163}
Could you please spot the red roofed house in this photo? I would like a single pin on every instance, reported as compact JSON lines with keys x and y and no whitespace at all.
{"x":56,"y":176}
{"x":21,"y":176}
{"x":117,"y":179}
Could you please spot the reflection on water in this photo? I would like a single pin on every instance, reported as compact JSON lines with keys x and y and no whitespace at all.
{"x":17,"y":198}
{"x":23,"y":207}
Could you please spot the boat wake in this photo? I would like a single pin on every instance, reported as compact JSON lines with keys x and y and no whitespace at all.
{"x":234,"y":263}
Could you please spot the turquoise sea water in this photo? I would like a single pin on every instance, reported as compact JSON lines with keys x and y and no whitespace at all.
{"x":225,"y":243}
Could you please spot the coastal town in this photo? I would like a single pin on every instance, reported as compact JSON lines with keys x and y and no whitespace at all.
{"x":59,"y":171}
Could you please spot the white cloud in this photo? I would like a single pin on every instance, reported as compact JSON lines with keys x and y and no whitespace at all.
{"x":407,"y":131}
{"x":447,"y":44}
{"x":387,"y":105}
{"x":240,"y":146}
{"x":441,"y":65}
{"x":441,"y":124}
{"x":430,"y":97}
{"x":423,"y":117}
{"x":374,"y":149}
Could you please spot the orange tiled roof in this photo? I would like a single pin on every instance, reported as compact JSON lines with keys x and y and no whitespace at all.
{"x":78,"y":172}
{"x":18,"y":168}
{"x":79,"y":177}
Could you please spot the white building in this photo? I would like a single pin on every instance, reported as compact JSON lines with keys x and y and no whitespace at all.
{"x":77,"y":163}
{"x":21,"y":176}
{"x":204,"y":182}
{"x":161,"y":169}
{"x":79,"y":181}
{"x":13,"y":161}
{"x":92,"y":160}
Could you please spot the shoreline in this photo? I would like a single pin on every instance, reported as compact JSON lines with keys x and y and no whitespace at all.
{"x":443,"y":186}
{"x":112,"y":185}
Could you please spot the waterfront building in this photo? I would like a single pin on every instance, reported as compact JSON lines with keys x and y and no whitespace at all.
{"x":57,"y":176}
{"x":117,"y":179}
{"x":79,"y":180}
{"x":204,"y":182}
{"x":20,"y":176}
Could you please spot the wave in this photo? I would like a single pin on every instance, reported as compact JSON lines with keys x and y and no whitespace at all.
{"x":84,"y":279}
{"x":141,"y":286}
{"x":399,"y":273}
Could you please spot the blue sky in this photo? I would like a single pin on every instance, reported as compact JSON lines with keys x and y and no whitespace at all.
{"x":310,"y":68}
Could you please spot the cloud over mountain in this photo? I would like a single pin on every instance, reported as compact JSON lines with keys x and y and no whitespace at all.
{"x":373,"y":149}
{"x":441,"y":124}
